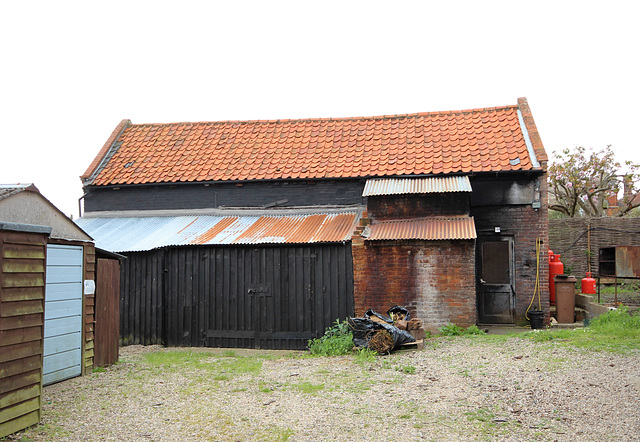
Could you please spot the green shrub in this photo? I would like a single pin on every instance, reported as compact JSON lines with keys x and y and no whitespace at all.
{"x":336,"y":341}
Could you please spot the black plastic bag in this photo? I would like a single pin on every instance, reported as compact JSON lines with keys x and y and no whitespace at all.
{"x":399,"y":336}
{"x":363,"y":329}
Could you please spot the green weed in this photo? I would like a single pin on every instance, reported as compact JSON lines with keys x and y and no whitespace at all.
{"x":407,"y":369}
{"x":453,"y":330}
{"x":336,"y":341}
{"x":473,"y":330}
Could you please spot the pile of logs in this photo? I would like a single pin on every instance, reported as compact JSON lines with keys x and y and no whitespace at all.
{"x":413,"y":326}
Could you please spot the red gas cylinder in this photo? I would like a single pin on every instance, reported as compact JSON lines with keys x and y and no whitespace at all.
{"x":555,"y":268}
{"x":588,"y":285}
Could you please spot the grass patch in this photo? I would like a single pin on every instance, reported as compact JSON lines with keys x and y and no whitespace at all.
{"x":219,"y":367}
{"x":279,"y":434}
{"x":480,"y":415}
{"x":365,"y":355}
{"x":265,"y":389}
{"x":616,"y":331}
{"x":623,"y":287}
{"x":47,"y":431}
{"x":308,"y":387}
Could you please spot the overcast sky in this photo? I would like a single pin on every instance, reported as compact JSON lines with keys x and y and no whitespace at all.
{"x":71,"y":71}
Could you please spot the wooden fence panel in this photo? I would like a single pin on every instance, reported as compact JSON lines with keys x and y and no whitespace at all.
{"x":578,"y":240}
{"x":22,"y":286}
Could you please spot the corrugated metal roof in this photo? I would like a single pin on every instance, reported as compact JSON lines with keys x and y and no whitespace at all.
{"x":423,"y":228}
{"x":137,"y":233}
{"x":404,"y":186}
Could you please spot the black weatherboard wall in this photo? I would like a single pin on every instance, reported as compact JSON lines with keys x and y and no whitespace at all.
{"x":207,"y":196}
{"x":275,"y":297}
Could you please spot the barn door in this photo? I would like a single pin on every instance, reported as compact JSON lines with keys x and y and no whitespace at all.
{"x":63,"y":314}
{"x":261,"y":298}
{"x":496,"y":296}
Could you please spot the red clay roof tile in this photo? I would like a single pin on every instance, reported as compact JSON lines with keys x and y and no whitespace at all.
{"x":479,"y":140}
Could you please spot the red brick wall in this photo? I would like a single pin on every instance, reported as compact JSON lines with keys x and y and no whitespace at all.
{"x":525,"y":225}
{"x":434,"y":280}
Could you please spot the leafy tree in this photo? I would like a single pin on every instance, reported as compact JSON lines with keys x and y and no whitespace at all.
{"x":581,"y":183}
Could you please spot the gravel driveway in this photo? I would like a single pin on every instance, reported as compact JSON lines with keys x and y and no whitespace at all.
{"x":454,"y":389}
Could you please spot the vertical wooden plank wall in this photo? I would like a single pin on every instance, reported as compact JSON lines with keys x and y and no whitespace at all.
{"x":273,"y":297}
{"x":142,"y":312}
{"x":22,"y":286}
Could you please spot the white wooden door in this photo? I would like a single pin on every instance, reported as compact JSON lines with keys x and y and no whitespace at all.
{"x":63,"y":314}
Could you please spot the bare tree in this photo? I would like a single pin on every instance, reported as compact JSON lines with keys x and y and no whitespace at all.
{"x":581,"y":183}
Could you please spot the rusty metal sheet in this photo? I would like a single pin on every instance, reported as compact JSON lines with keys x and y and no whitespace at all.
{"x":435,"y":228}
{"x":405,"y":186}
{"x":628,"y":261}
{"x":128,"y":234}
{"x":299,"y":229}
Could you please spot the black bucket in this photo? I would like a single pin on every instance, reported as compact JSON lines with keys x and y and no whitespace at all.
{"x":536,"y":317}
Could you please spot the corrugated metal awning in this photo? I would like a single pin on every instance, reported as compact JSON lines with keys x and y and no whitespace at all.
{"x":129,"y":234}
{"x":404,"y":186}
{"x":423,"y":228}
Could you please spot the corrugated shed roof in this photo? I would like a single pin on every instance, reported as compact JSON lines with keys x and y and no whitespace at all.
{"x":474,"y":140}
{"x":129,"y":234}
{"x":404,"y":186}
{"x":435,"y":228}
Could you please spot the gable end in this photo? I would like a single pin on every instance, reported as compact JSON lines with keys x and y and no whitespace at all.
{"x":105,"y":154}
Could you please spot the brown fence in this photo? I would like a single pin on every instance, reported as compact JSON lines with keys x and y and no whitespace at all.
{"x":578,"y":240}
{"x":22,"y":286}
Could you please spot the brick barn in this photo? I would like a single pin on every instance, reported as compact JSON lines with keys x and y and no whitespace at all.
{"x":312,"y":220}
